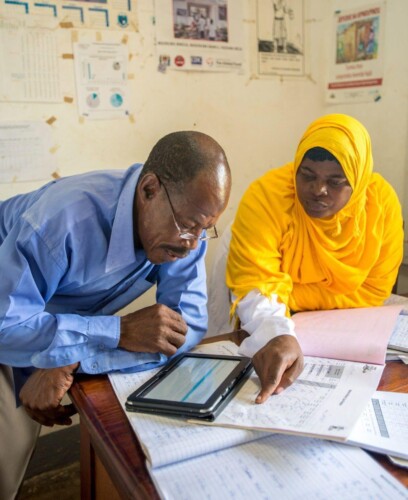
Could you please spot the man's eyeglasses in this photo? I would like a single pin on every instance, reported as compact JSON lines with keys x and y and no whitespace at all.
{"x":210,"y":233}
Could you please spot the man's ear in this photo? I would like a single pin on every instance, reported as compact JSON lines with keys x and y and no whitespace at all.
{"x":149,"y":187}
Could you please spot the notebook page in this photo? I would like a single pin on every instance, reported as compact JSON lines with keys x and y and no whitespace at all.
{"x":360,"y":334}
{"x":383,"y":426}
{"x":280,"y":467}
{"x":325,"y":401}
{"x":166,"y":440}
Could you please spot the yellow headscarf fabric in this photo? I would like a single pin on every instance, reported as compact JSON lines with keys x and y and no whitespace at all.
{"x":348,"y":260}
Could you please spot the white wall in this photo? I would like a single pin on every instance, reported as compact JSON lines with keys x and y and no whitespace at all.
{"x":387,"y":120}
{"x":257,"y":121}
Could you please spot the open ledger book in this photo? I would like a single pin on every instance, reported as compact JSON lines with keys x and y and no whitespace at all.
{"x":194,"y":461}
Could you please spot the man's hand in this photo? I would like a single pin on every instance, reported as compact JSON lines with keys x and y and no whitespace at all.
{"x":278,"y":364}
{"x":153,"y":329}
{"x":41,"y":395}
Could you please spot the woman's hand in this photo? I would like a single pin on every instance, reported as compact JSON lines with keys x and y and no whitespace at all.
{"x":278,"y":364}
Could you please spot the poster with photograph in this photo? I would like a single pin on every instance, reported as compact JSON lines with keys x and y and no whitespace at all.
{"x":199,"y":35}
{"x":356,"y":69}
{"x":280,"y":37}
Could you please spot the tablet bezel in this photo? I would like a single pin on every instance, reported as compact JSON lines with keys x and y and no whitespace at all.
{"x":207,"y":410}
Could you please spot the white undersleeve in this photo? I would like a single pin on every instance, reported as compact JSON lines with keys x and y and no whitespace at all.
{"x":264,"y":319}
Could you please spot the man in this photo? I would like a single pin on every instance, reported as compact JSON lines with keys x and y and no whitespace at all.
{"x":81,"y":248}
{"x":280,"y":32}
{"x":202,"y":22}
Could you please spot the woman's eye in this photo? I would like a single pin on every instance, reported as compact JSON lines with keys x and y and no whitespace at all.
{"x":308,"y":178}
{"x":337,"y":183}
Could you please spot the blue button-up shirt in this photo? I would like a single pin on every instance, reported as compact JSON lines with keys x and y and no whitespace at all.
{"x":68,"y":263}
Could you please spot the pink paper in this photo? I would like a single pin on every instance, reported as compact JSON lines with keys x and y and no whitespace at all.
{"x":360,"y":334}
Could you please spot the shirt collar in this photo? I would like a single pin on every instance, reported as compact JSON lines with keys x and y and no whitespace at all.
{"x":121,"y":251}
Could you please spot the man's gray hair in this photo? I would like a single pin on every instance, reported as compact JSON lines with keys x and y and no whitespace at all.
{"x":180,"y":156}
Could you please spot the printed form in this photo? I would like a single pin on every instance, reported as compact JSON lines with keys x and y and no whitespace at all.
{"x":383,"y":426}
{"x":325,"y":401}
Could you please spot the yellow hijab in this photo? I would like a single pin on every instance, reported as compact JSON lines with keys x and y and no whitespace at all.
{"x":348,"y":260}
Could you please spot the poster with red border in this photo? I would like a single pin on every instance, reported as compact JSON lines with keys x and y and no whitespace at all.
{"x":356,"y":69}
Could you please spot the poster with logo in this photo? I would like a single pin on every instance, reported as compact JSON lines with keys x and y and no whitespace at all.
{"x":199,"y":35}
{"x":280,"y":37}
{"x":356,"y":69}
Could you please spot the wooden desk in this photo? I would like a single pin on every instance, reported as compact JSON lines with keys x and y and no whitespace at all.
{"x":112,"y":461}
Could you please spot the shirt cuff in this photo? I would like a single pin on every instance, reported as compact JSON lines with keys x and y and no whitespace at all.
{"x":264,"y":319}
{"x":104,"y":330}
{"x":121,"y":360}
{"x":78,"y":338}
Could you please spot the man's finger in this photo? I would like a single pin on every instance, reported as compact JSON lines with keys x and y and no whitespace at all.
{"x":176,"y":339}
{"x":60,"y":415}
{"x":168,"y":348}
{"x":40,"y":418}
{"x":179,"y":325}
{"x":67,"y":410}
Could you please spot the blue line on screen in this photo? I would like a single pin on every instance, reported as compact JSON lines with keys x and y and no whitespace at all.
{"x":199,"y":382}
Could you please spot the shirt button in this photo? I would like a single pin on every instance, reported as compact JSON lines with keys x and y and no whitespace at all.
{"x":101,"y":347}
{"x":94,"y":366}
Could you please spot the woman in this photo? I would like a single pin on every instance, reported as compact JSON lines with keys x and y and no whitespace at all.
{"x":322,"y":232}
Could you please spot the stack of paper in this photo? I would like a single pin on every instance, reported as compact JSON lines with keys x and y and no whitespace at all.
{"x":399,"y":337}
{"x":201,"y":461}
{"x":383,"y":426}
{"x":398,"y":342}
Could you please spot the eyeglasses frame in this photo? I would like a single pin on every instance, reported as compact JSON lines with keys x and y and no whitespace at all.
{"x":185,"y":235}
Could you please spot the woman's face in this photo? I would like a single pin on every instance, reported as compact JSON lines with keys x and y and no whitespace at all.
{"x":322,"y":188}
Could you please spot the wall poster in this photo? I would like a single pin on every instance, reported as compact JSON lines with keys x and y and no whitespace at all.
{"x":356,"y":67}
{"x":102,"y":80}
{"x":95,"y":14}
{"x":199,"y":35}
{"x":280,"y":37}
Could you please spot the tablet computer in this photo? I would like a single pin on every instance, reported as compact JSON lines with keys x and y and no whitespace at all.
{"x":192,"y":386}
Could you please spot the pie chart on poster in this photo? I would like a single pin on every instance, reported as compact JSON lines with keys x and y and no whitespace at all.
{"x":93,"y":100}
{"x":116,"y":100}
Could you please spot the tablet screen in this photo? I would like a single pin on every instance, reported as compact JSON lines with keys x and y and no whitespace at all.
{"x":193,"y":380}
